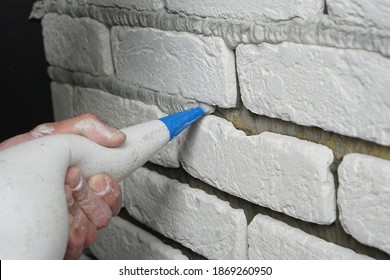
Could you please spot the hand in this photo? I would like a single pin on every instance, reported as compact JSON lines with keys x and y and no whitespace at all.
{"x":92,"y":201}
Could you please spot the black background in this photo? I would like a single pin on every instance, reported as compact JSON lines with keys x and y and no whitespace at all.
{"x":24,"y":85}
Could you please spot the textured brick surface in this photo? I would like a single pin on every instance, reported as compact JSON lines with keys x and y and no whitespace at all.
{"x":120,"y":112}
{"x":80,"y":44}
{"x":197,"y":67}
{"x":259,"y":10}
{"x":271,"y":239}
{"x":344,"y":91}
{"x":122,"y":240}
{"x":62,"y":100}
{"x":364,"y":199}
{"x":276,"y":171}
{"x":199,"y":221}
{"x":360,"y":12}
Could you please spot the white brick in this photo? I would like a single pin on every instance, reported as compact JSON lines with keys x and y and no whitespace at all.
{"x":199,"y":221}
{"x":372,"y":13}
{"x":120,"y":112}
{"x":197,"y":67}
{"x":80,"y":44}
{"x":271,"y":239}
{"x":62,"y":99}
{"x":340,"y":90}
{"x":142,"y":5}
{"x":122,"y":240}
{"x":276,"y":171}
{"x":364,"y":199}
{"x":259,"y":10}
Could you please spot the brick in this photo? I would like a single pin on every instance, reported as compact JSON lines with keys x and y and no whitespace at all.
{"x":195,"y":66}
{"x":276,"y":171}
{"x":79,"y":44}
{"x":142,"y":5}
{"x":271,"y":239}
{"x":339,"y":90}
{"x":199,"y":221}
{"x":364,"y":199}
{"x":122,"y":240}
{"x":374,"y":13}
{"x":62,"y":99}
{"x":258,"y":10}
{"x":120,"y":112}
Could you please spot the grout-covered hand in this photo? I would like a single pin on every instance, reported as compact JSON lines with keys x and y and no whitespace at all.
{"x":91,"y":201}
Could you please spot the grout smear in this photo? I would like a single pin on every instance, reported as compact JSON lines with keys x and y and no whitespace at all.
{"x":92,"y":125}
{"x":42,"y":130}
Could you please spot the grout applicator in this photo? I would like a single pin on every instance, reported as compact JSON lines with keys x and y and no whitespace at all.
{"x":33,"y":211}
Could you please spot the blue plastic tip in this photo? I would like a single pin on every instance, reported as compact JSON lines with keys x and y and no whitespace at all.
{"x":176,"y":123}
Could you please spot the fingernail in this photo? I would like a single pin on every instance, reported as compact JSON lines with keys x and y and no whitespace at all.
{"x":78,"y":186}
{"x":73,"y":178}
{"x":120,"y":135}
{"x":100,"y":184}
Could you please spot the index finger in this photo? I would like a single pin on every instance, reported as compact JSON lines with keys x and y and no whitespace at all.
{"x":87,"y":125}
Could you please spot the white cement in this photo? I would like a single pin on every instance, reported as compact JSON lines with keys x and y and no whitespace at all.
{"x":95,"y":127}
{"x":256,"y":10}
{"x":42,"y":130}
{"x":316,"y":31}
{"x":141,"y":5}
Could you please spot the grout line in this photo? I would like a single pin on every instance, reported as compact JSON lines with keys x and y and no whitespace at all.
{"x":185,"y":251}
{"x":122,"y":89}
{"x":333,"y":233}
{"x":320,"y":31}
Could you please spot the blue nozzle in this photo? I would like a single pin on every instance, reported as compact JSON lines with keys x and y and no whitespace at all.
{"x":176,"y":123}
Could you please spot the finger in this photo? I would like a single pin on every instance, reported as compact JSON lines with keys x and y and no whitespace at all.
{"x":39,"y":131}
{"x":108,"y":190}
{"x":78,"y":230}
{"x":91,"y":236}
{"x":95,"y":208}
{"x":91,"y":127}
{"x":75,"y":238}
{"x":73,"y":207}
{"x":77,"y":226}
{"x":82,"y":233}
{"x":87,"y":125}
{"x":15,"y":140}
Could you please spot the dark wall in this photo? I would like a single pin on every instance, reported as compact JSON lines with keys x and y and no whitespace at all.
{"x":24,"y":85}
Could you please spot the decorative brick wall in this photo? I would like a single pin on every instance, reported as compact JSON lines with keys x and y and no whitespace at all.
{"x":294,"y":163}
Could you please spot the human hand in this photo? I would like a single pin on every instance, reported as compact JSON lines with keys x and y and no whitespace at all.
{"x":91,"y":201}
